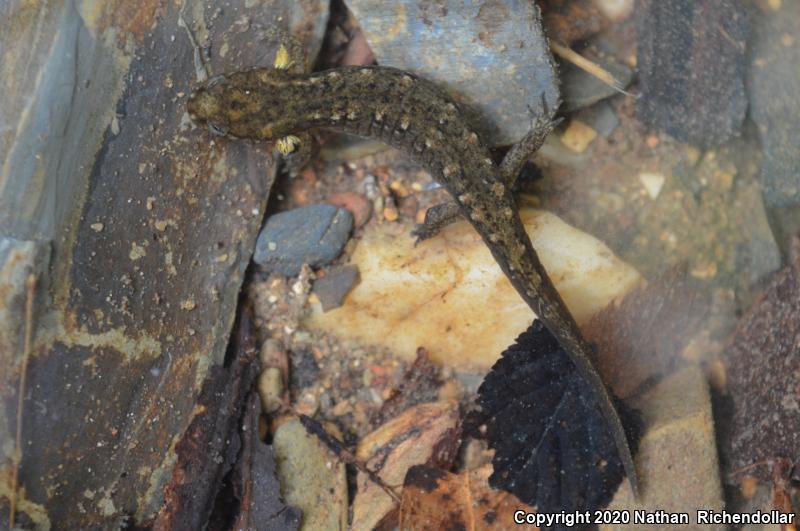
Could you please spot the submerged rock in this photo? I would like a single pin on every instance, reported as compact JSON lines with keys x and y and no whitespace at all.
{"x":312,"y":235}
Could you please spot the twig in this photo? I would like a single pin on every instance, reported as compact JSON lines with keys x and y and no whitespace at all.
{"x":345,"y":455}
{"x":568,"y":54}
{"x":30,"y":286}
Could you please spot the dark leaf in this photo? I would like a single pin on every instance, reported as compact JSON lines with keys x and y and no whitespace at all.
{"x":763,"y":363}
{"x":553,"y":448}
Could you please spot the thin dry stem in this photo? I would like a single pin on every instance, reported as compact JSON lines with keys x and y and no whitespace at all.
{"x":30,"y":286}
{"x":568,"y":54}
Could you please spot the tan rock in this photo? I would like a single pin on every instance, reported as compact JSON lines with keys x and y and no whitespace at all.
{"x":311,"y":478}
{"x":448,"y":294}
{"x":677,"y":460}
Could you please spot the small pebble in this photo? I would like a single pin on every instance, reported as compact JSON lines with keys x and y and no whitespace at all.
{"x":355,"y":203}
{"x":578,"y":136}
{"x":271,"y":353}
{"x":390,"y":214}
{"x":335,"y":285}
{"x":270,"y":389}
{"x":313,"y":235}
{"x":652,"y":182}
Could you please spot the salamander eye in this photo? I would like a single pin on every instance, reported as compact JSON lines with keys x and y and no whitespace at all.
{"x":216,"y":129}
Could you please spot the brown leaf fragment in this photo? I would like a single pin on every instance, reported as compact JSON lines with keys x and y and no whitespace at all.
{"x":434,"y":499}
{"x":644,"y":335}
{"x":420,"y":383}
{"x":781,"y":497}
{"x":425,"y":433}
{"x":255,"y":484}
{"x":763,"y":362}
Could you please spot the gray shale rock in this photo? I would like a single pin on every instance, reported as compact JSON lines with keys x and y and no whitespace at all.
{"x":772,"y":81}
{"x":691,"y":62}
{"x":491,"y":56}
{"x":312,"y":235}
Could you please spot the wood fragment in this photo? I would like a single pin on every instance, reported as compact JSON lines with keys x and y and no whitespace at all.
{"x":590,"y":67}
{"x":342,"y":453}
{"x":30,"y":286}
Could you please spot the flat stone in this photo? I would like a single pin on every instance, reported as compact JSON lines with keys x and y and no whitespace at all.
{"x":581,"y":89}
{"x":311,"y":477}
{"x":600,"y":117}
{"x":312,"y":235}
{"x":491,"y":56}
{"x":677,"y":459}
{"x":335,"y":285}
{"x":691,"y":65}
{"x":772,"y":80}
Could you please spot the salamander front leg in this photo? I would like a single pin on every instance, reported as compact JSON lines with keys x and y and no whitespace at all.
{"x":518,"y":155}
{"x":436,"y":218}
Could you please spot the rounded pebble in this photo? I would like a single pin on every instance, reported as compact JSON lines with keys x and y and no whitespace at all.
{"x":355,"y":203}
{"x":312,"y":235}
{"x":270,"y":389}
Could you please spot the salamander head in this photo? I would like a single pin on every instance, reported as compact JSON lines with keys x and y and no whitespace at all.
{"x":243,"y":105}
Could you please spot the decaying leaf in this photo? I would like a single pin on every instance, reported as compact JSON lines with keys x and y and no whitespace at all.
{"x":426,"y":433}
{"x":553,"y":447}
{"x":434,"y":499}
{"x":255,"y":483}
{"x":763,"y":381}
{"x":420,"y":383}
{"x":224,"y":474}
{"x":643,"y":336}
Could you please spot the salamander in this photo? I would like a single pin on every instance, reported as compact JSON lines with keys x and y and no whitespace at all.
{"x":420,"y":119}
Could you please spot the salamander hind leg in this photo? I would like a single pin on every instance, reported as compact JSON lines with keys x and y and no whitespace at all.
{"x":436,"y":218}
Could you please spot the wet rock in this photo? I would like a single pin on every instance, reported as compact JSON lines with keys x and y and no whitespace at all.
{"x":677,"y":459}
{"x":312,"y":235}
{"x":270,"y":389}
{"x":435,"y":293}
{"x":492,"y":56}
{"x":335,"y":285}
{"x":762,"y":367}
{"x":312,"y":479}
{"x":772,"y":80}
{"x":580,"y":89}
{"x":355,"y":203}
{"x":691,"y":62}
{"x":600,"y":117}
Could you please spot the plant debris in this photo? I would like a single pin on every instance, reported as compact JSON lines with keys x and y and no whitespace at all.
{"x":241,"y":472}
{"x":420,"y":383}
{"x":255,"y":484}
{"x":436,"y":499}
{"x":553,"y":447}
{"x":762,"y":378}
{"x":644,"y":335}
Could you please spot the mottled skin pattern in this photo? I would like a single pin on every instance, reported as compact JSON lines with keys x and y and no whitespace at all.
{"x":418,"y":118}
